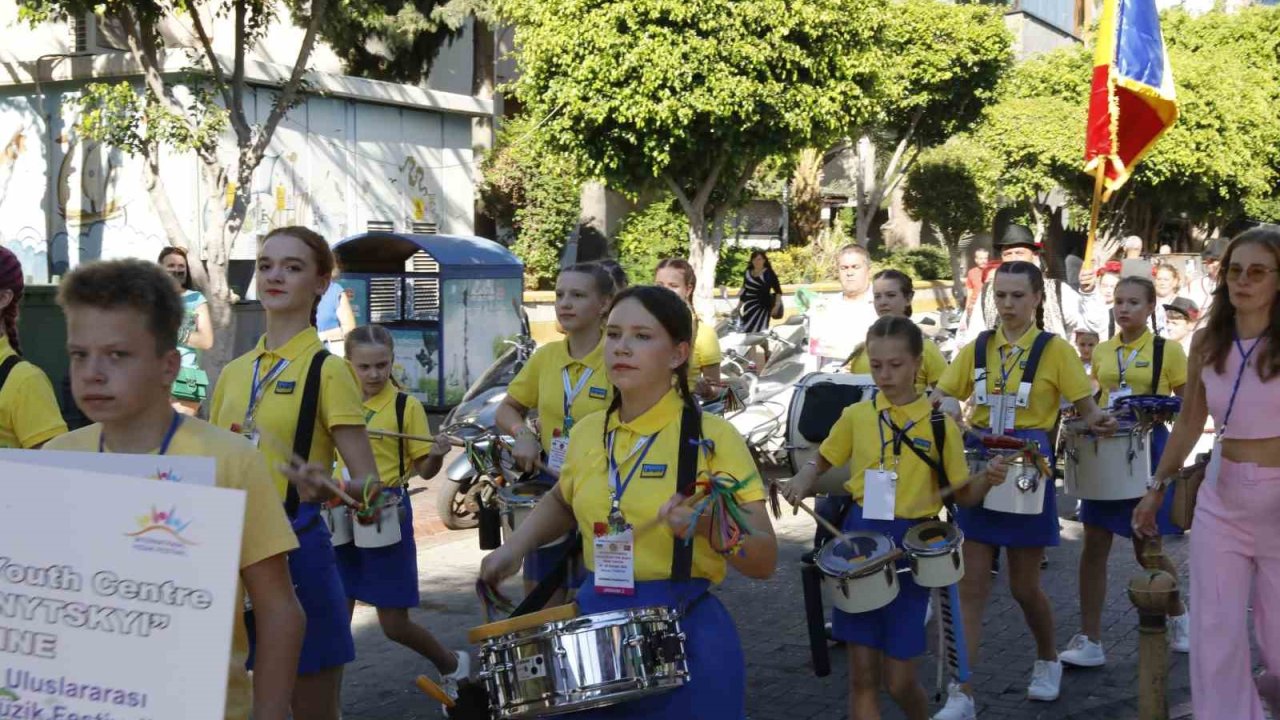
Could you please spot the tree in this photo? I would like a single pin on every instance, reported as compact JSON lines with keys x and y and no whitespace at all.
{"x":398,"y":40}
{"x":692,"y":96}
{"x":942,"y":66}
{"x":947,"y":189}
{"x":806,"y":197}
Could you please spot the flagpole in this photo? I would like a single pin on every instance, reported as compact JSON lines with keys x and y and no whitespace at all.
{"x":1099,"y":178}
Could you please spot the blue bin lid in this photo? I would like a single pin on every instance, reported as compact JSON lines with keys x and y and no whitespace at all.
{"x":459,"y":256}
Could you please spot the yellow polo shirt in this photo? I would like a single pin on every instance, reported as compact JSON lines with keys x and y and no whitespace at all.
{"x":29,"y":412}
{"x":855,"y":439}
{"x":1137,"y":375}
{"x":1061,"y":375}
{"x":706,"y":348}
{"x":584,"y":482}
{"x":540,"y":385}
{"x":931,"y":368}
{"x":277,"y":413}
{"x":266,"y":530}
{"x":380,"y":414}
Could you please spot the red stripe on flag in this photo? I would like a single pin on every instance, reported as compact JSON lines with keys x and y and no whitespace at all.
{"x":1098,"y":132}
{"x":1139,"y":126}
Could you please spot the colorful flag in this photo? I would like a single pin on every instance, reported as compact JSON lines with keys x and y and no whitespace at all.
{"x":1132,"y":102}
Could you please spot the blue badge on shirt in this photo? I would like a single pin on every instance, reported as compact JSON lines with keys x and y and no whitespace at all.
{"x":653,"y":470}
{"x":1142,"y":363}
{"x":285,"y":387}
{"x":598,"y":393}
{"x":922,"y":444}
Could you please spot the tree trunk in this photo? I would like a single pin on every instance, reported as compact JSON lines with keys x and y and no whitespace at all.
{"x":958,"y":263}
{"x":864,"y":183}
{"x":483,"y":81}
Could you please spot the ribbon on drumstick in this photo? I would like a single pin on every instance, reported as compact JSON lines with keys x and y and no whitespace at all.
{"x":493,"y":601}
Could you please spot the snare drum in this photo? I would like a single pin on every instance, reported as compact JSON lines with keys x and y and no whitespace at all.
{"x":1107,"y":468}
{"x":516,"y":502}
{"x":556,"y":661}
{"x":934,"y":551}
{"x":855,"y":573}
{"x":385,"y":529}
{"x":340,"y":523}
{"x":1021,"y":493}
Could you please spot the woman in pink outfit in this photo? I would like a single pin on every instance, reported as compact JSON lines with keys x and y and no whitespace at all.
{"x":1232,"y":375}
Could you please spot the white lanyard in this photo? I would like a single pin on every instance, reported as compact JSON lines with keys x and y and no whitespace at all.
{"x":1124,"y":364}
{"x":571,"y":393}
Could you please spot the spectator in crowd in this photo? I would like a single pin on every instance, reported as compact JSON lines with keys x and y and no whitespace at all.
{"x":1181,"y":317}
{"x":839,"y":324}
{"x":334,"y":317}
{"x":975,"y":277}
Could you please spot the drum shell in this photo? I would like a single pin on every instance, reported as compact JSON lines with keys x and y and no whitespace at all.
{"x":1108,"y":468}
{"x":516,"y":507}
{"x":340,"y":523}
{"x":382,"y":532}
{"x":936,"y":567}
{"x":800,"y":449}
{"x":586,"y":662}
{"x":862,"y":593}
{"x":1008,"y":498}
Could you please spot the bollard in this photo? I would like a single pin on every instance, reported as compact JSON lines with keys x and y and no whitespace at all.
{"x":1153,"y":591}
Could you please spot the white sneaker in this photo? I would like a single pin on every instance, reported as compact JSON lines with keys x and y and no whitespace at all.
{"x":449,"y":683}
{"x":1180,"y":633}
{"x":1083,"y":652}
{"x":959,"y":705}
{"x":1046,"y":681}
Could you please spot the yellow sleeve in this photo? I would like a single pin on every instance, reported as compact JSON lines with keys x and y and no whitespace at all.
{"x":266,"y":529}
{"x":575,"y":457}
{"x":957,"y":379}
{"x":340,"y":402}
{"x":524,"y":388}
{"x":837,"y":449}
{"x":731,"y":457}
{"x":706,"y":346}
{"x":1073,"y":384}
{"x":954,"y":460}
{"x":34,"y":408}
{"x":215,"y":398}
{"x":415,"y":423}
{"x":934,"y":363}
{"x":1175,"y":364}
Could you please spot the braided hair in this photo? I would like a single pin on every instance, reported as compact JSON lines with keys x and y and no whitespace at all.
{"x":11,"y":279}
{"x":672,"y":313}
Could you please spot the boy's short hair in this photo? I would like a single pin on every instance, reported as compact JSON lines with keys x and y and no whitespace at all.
{"x":1088,"y":333}
{"x":134,"y":284}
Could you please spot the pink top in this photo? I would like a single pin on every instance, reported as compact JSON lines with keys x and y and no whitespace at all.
{"x":1256,"y":401}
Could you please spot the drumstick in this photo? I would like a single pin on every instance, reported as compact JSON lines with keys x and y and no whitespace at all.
{"x":278,"y":445}
{"x":426,"y":685}
{"x":420,"y":438}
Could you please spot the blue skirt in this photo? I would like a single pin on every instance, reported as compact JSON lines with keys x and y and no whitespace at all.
{"x":314,"y":570}
{"x":1003,"y":529}
{"x":897,"y":629}
{"x":1117,"y":515}
{"x":385,"y":577}
{"x":717,"y":685}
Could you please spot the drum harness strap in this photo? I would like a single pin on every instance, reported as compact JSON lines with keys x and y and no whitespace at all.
{"x":402,"y":401}
{"x":1157,"y":366}
{"x":1028,"y":373}
{"x":305,"y":430}
{"x":7,"y":367}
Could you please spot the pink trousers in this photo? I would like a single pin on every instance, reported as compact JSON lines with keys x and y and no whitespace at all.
{"x":1233,"y":553}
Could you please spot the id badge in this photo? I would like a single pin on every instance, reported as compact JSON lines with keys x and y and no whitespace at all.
{"x":1004,"y":408}
{"x":615,"y":562}
{"x":1215,"y":461}
{"x":559,"y":449}
{"x":1123,"y":392}
{"x":879,"y":494}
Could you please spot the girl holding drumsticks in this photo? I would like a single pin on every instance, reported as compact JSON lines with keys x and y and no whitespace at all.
{"x":387,"y":577}
{"x":1123,"y":366}
{"x":895,"y":482}
{"x":298,"y":403}
{"x":1017,"y":374}
{"x":620,"y":487}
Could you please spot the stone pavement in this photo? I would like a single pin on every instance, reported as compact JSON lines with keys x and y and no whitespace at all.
{"x":781,"y":684}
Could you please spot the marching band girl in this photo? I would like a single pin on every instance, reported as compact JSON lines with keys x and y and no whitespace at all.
{"x":29,"y":414}
{"x":387,"y":577}
{"x":1122,"y":366}
{"x":620,"y":487}
{"x":892,"y":292}
{"x":676,"y":274}
{"x":1017,"y":382}
{"x":1231,"y":373}
{"x":564,"y":381}
{"x":294,"y":400}
{"x":895,"y":483}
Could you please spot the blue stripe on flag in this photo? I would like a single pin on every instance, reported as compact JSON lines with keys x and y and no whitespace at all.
{"x":1139,"y":49}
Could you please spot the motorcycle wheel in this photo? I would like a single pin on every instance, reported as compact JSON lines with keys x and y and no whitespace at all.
{"x":452,"y":505}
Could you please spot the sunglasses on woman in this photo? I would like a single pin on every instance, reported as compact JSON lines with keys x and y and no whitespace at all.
{"x":1254,"y":273}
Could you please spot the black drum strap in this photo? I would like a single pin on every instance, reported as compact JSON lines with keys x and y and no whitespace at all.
{"x":1157,"y":365}
{"x":305,"y":430}
{"x":7,"y":367}
{"x":1037,"y":351}
{"x":939,"y":466}
{"x":686,"y":476}
{"x":402,"y":401}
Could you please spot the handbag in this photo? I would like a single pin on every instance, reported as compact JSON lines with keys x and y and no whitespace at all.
{"x":1185,"y":489}
{"x":776,"y":312}
{"x":192,"y":384}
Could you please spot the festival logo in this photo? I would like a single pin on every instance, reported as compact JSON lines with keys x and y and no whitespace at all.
{"x":169,"y":475}
{"x":162,"y":532}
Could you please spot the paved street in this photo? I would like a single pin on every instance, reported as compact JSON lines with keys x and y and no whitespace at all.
{"x":770,"y":619}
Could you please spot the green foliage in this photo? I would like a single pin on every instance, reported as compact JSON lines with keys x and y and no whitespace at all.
{"x":950,"y":189}
{"x":393,"y":40}
{"x":120,"y":115}
{"x":732,"y":264}
{"x":534,"y":190}
{"x":927,"y":262}
{"x":656,"y":231}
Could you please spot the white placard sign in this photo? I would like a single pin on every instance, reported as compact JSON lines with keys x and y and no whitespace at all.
{"x":117,"y":595}
{"x":187,"y":469}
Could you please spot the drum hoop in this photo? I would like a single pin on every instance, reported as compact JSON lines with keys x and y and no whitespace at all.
{"x":870,"y":566}
{"x":479,"y":634}
{"x":955,"y":538}
{"x":512,"y":495}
